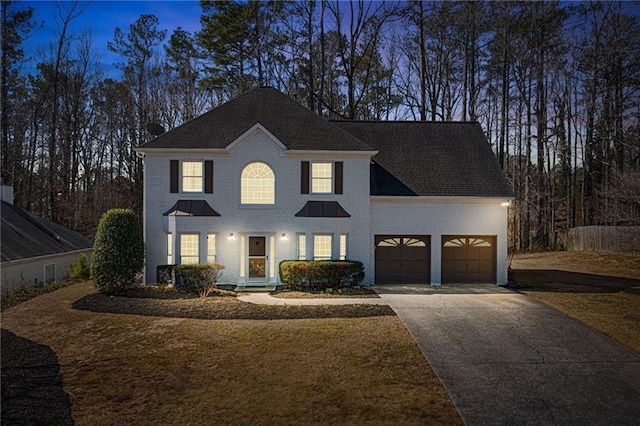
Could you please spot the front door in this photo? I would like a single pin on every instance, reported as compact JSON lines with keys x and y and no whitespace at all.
{"x":258,"y":259}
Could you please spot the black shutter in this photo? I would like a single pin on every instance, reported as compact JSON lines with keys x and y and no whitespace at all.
{"x":208,"y":177}
{"x":174,"y":176}
{"x":304,"y":180}
{"x":338,"y":178}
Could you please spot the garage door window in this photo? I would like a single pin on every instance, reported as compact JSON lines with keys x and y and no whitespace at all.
{"x":461,"y":242}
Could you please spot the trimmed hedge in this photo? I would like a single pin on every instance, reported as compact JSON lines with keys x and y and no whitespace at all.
{"x":201,"y":278}
{"x":118,"y":252}
{"x":320,"y":274}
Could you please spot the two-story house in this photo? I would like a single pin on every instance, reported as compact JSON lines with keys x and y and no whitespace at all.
{"x":263,"y":179}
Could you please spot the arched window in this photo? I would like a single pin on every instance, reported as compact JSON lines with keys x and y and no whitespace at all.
{"x":258,"y":184}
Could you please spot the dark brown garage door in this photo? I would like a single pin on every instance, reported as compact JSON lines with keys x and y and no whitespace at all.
{"x":404,"y":259}
{"x":468,"y":259}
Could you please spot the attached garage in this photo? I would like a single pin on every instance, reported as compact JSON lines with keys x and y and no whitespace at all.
{"x":468,"y":259}
{"x":402,"y":259}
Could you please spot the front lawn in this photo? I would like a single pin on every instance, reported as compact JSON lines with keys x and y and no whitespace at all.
{"x":602,"y":290}
{"x":122,"y":368}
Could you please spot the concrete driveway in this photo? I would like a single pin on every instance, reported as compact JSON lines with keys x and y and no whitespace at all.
{"x":507,"y":359}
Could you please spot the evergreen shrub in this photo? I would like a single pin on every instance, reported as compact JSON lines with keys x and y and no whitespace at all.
{"x":81,"y":270}
{"x":320,"y":274}
{"x":118,"y":252}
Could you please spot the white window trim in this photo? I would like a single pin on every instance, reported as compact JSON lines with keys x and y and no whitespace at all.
{"x":330,"y":178}
{"x":182,"y":177}
{"x":301,"y":246}
{"x":196,"y":256}
{"x":211,"y":248}
{"x":315,"y":257}
{"x":343,"y":246}
{"x":243,"y":202}
{"x":169,"y":248}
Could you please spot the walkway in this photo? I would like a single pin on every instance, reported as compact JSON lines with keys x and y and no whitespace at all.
{"x":266,"y":299}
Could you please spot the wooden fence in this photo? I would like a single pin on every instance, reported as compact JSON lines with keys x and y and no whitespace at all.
{"x":604,"y":238}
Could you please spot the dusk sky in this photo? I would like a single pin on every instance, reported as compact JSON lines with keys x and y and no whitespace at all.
{"x":102,"y":17}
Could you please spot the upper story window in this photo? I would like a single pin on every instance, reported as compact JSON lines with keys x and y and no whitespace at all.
{"x":321,"y":177}
{"x":258,"y":184}
{"x":192,"y":176}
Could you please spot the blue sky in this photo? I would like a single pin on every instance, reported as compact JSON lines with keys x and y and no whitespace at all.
{"x":102,"y":17}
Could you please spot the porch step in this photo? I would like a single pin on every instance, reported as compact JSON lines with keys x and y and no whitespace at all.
{"x":255,"y":288}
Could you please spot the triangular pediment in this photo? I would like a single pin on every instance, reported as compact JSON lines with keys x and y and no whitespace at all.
{"x":250,"y":133}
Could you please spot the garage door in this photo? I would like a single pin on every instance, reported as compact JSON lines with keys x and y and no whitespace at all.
{"x":404,"y":259}
{"x":468,"y":259}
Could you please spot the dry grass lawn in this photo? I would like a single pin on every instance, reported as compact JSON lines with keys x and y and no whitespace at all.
{"x":132,"y":369}
{"x":601,"y":290}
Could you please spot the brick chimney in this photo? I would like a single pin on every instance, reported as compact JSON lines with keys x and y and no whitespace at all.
{"x":6,"y":192}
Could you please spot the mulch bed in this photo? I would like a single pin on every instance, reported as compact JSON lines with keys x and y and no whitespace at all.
{"x":220,"y":305}
{"x":349,"y":292}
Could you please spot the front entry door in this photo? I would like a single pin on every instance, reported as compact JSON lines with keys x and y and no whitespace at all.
{"x":258,"y":258}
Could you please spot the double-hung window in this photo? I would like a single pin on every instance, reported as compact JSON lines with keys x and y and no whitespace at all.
{"x":322,"y":247}
{"x":343,"y":247}
{"x":302,"y":247}
{"x":189,"y":253}
{"x":169,"y":248}
{"x":211,"y":248}
{"x":321,"y":177}
{"x":192,"y":176}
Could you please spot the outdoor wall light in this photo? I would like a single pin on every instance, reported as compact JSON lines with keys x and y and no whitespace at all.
{"x":506,"y":203}
{"x":283,"y":236}
{"x":231,"y":236}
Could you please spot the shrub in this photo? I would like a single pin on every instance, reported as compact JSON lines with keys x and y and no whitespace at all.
{"x":118,"y":251}
{"x":165,"y":275}
{"x":81,"y":270}
{"x":202,"y":279}
{"x":321,"y":274}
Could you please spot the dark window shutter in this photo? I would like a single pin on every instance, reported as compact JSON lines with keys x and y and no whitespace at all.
{"x":339,"y":165}
{"x":304,"y":181}
{"x":174,"y":171}
{"x":208,"y":177}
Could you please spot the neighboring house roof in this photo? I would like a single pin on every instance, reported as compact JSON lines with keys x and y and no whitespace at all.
{"x":430,"y":158}
{"x":297,"y":127}
{"x":25,"y":236}
{"x":191,"y":208}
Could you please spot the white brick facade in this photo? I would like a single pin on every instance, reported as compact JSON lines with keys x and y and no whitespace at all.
{"x":370,"y":216}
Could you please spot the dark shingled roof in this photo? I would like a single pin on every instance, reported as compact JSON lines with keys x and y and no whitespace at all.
{"x":322,"y":209}
{"x":297,"y":127}
{"x":25,"y":236}
{"x":191,"y":208}
{"x":430,"y":158}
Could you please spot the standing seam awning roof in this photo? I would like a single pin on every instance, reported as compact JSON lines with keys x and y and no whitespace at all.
{"x":191,"y":208}
{"x":322,"y":209}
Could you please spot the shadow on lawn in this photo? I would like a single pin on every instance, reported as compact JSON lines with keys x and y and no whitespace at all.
{"x":571,"y":282}
{"x":32,"y":390}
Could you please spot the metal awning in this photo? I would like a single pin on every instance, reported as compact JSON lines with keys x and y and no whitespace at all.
{"x":191,"y":208}
{"x":322,"y":209}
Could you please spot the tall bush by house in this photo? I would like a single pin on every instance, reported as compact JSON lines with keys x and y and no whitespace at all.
{"x":118,"y":251}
